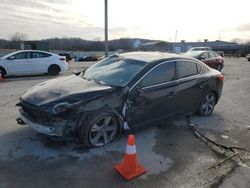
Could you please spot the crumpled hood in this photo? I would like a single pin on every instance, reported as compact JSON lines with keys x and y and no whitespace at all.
{"x":62,"y":88}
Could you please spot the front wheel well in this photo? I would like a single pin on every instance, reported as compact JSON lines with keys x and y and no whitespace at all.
{"x":86,"y":117}
{"x":54,"y":69}
{"x":86,"y":122}
{"x":53,"y":66}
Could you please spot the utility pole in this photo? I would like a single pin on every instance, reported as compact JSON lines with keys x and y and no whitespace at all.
{"x":176,"y":36}
{"x":106,"y":29}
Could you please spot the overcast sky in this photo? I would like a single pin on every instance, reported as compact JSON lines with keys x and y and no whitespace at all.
{"x":154,"y":19}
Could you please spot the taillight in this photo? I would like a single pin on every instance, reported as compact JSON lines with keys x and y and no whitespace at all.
{"x":221,"y":77}
{"x":62,"y":59}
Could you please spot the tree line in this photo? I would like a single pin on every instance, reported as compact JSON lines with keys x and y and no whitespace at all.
{"x":71,"y":44}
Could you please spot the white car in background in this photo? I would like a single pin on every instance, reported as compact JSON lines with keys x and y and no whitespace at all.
{"x":31,"y":62}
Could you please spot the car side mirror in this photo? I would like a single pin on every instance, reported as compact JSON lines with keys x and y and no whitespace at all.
{"x":202,"y":58}
{"x":11,"y":58}
{"x":139,"y":90}
{"x":135,"y":93}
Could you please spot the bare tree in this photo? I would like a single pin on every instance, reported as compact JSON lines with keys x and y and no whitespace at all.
{"x":17,"y":38}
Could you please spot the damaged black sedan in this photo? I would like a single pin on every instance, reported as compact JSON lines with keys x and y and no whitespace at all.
{"x":124,"y":91}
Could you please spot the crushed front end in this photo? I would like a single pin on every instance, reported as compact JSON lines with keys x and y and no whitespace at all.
{"x":42,"y":121}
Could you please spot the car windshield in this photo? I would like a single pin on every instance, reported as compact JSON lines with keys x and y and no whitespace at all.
{"x":114,"y":71}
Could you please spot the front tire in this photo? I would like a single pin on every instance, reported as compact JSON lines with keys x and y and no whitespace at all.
{"x":207,"y":104}
{"x":99,"y":130}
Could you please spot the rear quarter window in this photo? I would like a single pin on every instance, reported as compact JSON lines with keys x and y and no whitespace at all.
{"x":204,"y":70}
{"x":199,"y":67}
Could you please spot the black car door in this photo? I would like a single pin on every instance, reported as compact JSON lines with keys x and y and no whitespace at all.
{"x":153,"y":97}
{"x":190,"y":86}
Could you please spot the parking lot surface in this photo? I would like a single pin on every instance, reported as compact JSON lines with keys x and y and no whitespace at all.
{"x":171,"y":153}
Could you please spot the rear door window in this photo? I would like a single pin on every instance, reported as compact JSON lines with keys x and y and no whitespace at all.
{"x":40,"y":55}
{"x":187,"y":68}
{"x":160,"y":74}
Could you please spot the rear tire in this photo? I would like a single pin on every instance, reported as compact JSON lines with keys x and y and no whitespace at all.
{"x":99,"y":130}
{"x":54,"y":70}
{"x":207,"y":104}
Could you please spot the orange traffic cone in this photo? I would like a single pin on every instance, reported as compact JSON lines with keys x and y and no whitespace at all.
{"x":130,"y":168}
{"x":1,"y":77}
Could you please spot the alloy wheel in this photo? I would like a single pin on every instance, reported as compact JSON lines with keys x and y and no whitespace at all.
{"x":103,"y":131}
{"x":208,"y":104}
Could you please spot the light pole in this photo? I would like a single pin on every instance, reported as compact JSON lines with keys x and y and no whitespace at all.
{"x":106,"y":29}
{"x":176,"y":36}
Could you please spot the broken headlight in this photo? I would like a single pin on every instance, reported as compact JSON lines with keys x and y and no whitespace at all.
{"x":61,"y":107}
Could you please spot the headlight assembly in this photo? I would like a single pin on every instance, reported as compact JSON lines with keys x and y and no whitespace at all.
{"x":61,"y":107}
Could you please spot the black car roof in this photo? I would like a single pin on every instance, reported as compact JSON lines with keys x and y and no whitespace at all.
{"x":149,"y":56}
